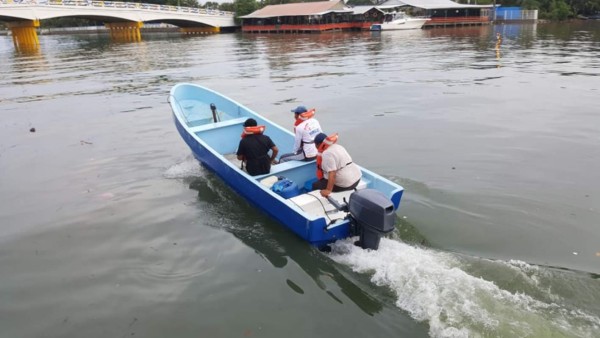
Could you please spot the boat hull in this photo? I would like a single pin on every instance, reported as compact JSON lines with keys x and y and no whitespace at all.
{"x":312,"y":231}
{"x":404,"y":24}
{"x":209,"y":141}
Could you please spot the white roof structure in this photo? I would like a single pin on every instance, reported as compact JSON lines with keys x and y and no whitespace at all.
{"x":429,"y":4}
{"x":363,"y":9}
{"x":299,"y":9}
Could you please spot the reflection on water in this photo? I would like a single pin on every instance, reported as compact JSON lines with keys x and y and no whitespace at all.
{"x":28,"y":50}
{"x":30,"y":61}
{"x":274,"y":243}
{"x":326,"y":49}
{"x":578,"y":30}
{"x":452,"y":293}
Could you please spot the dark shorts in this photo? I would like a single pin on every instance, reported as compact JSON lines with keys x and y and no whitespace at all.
{"x":322,"y":184}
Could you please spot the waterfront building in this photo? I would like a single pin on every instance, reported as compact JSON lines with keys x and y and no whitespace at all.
{"x":309,"y":17}
{"x":314,"y":17}
{"x":513,"y":14}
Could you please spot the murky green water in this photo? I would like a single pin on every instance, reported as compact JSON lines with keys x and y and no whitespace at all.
{"x":110,"y":228}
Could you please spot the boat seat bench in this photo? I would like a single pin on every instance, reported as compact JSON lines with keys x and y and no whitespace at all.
{"x":222,"y":124}
{"x":314,"y":204}
{"x":215,"y":133}
{"x":283,"y":167}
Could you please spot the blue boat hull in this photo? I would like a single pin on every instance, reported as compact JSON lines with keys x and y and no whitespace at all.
{"x":209,"y":141}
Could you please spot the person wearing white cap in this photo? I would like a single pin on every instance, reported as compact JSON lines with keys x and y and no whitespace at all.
{"x":306,"y":128}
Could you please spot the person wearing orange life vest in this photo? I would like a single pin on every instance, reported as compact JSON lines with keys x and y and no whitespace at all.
{"x":254,"y":149}
{"x":335,"y":169}
{"x":306,"y":128}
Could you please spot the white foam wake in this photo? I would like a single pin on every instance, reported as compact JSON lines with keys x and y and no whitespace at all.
{"x":431,"y":286}
{"x":188,"y":168}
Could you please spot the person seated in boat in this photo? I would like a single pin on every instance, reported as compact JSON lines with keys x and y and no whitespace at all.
{"x":335,"y":169}
{"x":254,"y":149}
{"x":306,"y":128}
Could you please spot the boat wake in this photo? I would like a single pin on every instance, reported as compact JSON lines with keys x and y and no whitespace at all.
{"x":456,"y":295}
{"x":189,"y":167}
{"x":435,"y":287}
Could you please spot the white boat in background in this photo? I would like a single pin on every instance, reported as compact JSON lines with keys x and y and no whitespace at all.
{"x":399,"y":21}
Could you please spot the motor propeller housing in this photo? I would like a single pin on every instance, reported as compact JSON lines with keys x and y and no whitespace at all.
{"x":374,"y":216}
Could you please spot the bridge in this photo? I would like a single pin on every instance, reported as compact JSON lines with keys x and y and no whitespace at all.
{"x":123,"y":19}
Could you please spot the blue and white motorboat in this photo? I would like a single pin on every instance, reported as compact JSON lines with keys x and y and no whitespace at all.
{"x":211,"y":125}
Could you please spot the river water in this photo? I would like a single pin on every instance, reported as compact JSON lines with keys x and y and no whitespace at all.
{"x":109,"y":228}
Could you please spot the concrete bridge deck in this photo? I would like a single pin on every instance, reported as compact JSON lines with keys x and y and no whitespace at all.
{"x":113,"y":11}
{"x":123,"y":19}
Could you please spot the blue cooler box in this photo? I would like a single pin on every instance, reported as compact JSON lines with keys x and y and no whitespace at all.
{"x":308,"y":184}
{"x":286,"y":188}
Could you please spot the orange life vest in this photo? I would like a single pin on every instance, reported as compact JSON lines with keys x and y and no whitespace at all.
{"x":253,"y":130}
{"x":305,"y":116}
{"x":327,"y":142}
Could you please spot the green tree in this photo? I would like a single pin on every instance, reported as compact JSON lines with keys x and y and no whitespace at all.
{"x":585,"y":7}
{"x":70,"y":22}
{"x":530,"y":4}
{"x":359,"y":3}
{"x":154,"y":2}
{"x":264,"y":3}
{"x":559,"y":10}
{"x":227,"y":6}
{"x":182,"y":3}
{"x":244,"y":7}
{"x":210,"y":4}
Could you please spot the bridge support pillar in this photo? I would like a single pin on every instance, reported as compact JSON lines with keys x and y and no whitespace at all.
{"x":199,"y":30}
{"x":125,"y":31}
{"x":24,"y":34}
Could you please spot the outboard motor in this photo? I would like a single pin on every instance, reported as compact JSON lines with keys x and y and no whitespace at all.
{"x":374,"y":216}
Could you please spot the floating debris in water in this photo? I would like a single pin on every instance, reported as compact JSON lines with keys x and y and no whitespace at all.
{"x":32,"y":130}
{"x":107,"y":195}
{"x":575,"y":253}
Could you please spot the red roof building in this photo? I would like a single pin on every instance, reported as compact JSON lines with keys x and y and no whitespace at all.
{"x":304,"y":17}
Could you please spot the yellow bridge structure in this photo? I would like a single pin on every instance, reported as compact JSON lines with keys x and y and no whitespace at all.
{"x":122,"y":19}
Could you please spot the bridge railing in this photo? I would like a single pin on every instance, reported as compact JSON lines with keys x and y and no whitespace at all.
{"x":117,"y":4}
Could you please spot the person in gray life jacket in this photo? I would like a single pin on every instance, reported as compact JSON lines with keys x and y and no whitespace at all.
{"x":306,"y":128}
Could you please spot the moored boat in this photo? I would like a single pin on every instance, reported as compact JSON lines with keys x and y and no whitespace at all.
{"x":399,"y":21}
{"x":211,"y":124}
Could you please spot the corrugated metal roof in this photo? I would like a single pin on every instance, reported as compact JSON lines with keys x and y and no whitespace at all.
{"x":429,"y":4}
{"x":298,"y":9}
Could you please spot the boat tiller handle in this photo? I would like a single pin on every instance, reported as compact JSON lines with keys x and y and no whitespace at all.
{"x":214,"y":111}
{"x":337,"y":205}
